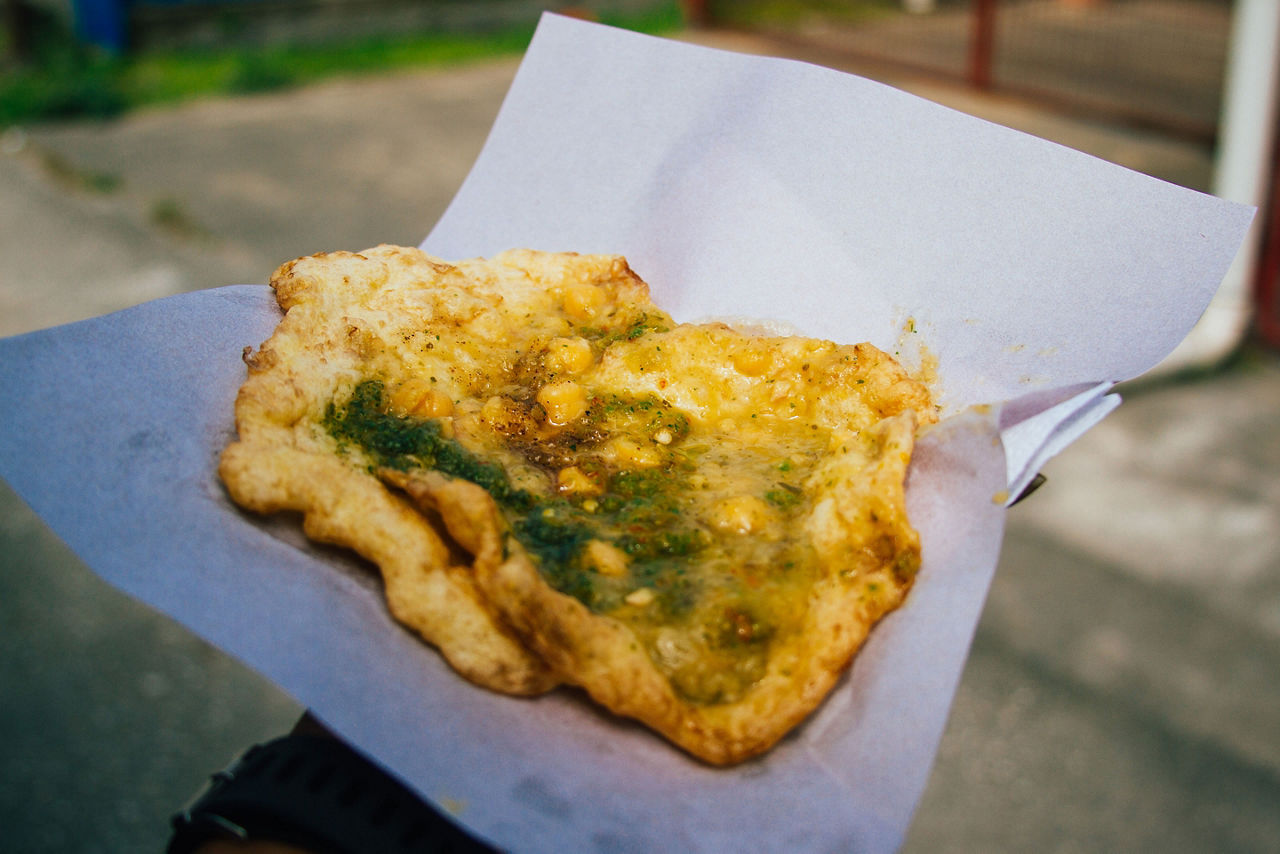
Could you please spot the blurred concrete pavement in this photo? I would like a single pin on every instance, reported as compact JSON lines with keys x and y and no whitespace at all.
{"x":1123,"y":691}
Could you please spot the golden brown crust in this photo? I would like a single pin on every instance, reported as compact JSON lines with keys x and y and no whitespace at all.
{"x":784,"y":462}
{"x":280,"y":463}
{"x":602,"y":655}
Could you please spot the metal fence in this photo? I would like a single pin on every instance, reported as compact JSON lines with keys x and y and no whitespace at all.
{"x":1159,"y":62}
{"x":1153,"y":62}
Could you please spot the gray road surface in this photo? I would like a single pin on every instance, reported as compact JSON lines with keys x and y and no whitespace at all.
{"x":1123,"y":691}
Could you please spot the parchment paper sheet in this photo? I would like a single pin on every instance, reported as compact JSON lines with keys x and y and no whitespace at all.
{"x":737,"y":186}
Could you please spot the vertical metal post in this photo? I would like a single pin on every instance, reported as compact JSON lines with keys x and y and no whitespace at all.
{"x":1245,"y":170}
{"x":982,"y":38}
{"x":1267,"y":282}
{"x":697,"y":13}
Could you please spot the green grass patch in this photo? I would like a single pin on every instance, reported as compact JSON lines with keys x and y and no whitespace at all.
{"x":62,"y":79}
{"x":788,"y":13}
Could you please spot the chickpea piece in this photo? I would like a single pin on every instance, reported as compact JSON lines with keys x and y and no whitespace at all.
{"x":631,"y":454}
{"x":607,"y":559}
{"x":584,"y":301}
{"x":569,"y":355}
{"x":564,"y":402}
{"x":640,"y":597}
{"x":416,"y":396}
{"x":574,"y":480}
{"x":741,"y":514}
{"x":752,"y":361}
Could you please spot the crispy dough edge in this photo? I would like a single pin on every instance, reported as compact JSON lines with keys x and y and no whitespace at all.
{"x":265,"y":472}
{"x":439,"y":602}
{"x":556,"y":637}
{"x":604,"y":657}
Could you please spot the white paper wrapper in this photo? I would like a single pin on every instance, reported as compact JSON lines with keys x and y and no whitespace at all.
{"x":737,"y":186}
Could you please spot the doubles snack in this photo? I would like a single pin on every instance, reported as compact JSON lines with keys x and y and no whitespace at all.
{"x":559,"y":484}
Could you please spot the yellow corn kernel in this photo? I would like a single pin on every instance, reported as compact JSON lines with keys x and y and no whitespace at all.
{"x":564,"y":402}
{"x":575,"y":480}
{"x":416,"y":396}
{"x":569,"y":355}
{"x":584,"y":301}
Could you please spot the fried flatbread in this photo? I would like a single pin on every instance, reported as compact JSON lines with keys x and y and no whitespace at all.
{"x":560,"y":484}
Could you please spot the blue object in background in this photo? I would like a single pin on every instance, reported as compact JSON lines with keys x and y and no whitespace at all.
{"x":103,"y":23}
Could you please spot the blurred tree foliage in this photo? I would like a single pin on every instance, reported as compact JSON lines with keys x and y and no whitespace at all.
{"x":47,"y":74}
